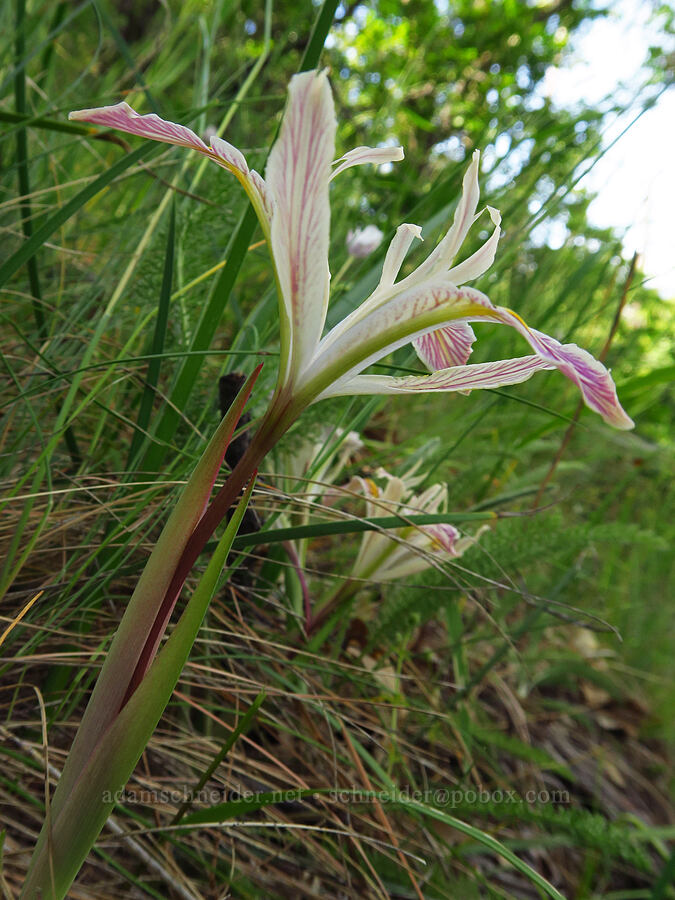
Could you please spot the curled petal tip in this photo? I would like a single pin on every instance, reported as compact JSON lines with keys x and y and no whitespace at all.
{"x":590,"y":376}
{"x":120,"y":109}
{"x":621,"y":420}
{"x":361,"y":155}
{"x":122,"y":117}
{"x":495,"y":215}
{"x":584,"y":370}
{"x":415,"y":230}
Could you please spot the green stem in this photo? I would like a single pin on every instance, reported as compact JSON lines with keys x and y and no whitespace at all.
{"x":278,"y":419}
{"x":347,"y":590}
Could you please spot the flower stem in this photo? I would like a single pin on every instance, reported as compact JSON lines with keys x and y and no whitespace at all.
{"x":347,"y":590}
{"x":274,"y":424}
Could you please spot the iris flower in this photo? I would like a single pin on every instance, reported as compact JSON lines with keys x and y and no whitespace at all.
{"x":431,"y":307}
{"x":410,"y":549}
{"x":361,"y":242}
{"x":332,"y":448}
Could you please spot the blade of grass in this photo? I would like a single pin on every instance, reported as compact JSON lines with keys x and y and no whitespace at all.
{"x":486,"y":840}
{"x":25,"y":205}
{"x":19,"y":544}
{"x":22,"y":166}
{"x":322,"y":25}
{"x":355,"y":526}
{"x":157,"y":347}
{"x":237,"y":808}
{"x":30,"y":247}
{"x":242,"y":727}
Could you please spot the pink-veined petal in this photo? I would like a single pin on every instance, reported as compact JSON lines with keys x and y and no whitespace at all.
{"x":372,"y":336}
{"x":444,"y":537}
{"x":361,"y":155}
{"x":480,"y":261}
{"x":297,"y":176}
{"x":457,"y":378}
{"x":364,"y":337}
{"x":122,"y":117}
{"x":589,"y":374}
{"x":445,"y":347}
{"x":593,"y":380}
{"x":229,"y":155}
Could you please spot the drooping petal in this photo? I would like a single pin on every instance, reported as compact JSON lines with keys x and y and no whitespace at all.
{"x":445,"y":347}
{"x":586,"y":372}
{"x":480,"y":261}
{"x":457,"y":378}
{"x":297,"y":176}
{"x":361,"y":155}
{"x":122,"y":117}
{"x":593,"y":380}
{"x":589,"y":374}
